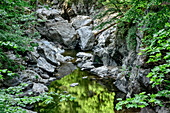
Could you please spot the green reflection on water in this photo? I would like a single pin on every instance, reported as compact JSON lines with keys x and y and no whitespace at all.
{"x":91,"y":97}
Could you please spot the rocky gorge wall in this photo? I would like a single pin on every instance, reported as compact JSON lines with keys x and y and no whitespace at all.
{"x":110,"y":56}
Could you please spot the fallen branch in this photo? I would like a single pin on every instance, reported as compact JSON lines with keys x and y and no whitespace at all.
{"x":95,"y":34}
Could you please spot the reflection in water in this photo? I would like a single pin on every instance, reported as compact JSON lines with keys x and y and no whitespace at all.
{"x":91,"y":97}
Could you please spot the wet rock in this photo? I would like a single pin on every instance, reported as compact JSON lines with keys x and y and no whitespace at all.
{"x":39,"y":88}
{"x":74,"y":84}
{"x":86,"y":38}
{"x":80,"y":21}
{"x":43,"y":64}
{"x":52,"y":79}
{"x":66,"y":69}
{"x":100,"y":71}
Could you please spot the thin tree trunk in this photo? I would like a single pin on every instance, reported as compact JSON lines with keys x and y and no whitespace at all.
{"x":36,"y":5}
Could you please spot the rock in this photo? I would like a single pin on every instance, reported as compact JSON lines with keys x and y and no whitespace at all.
{"x":85,"y":77}
{"x":51,"y":79}
{"x":45,"y":76}
{"x":83,"y":54}
{"x":68,"y":58}
{"x":86,"y":38}
{"x":30,"y":75}
{"x":142,"y":79}
{"x":50,"y":52}
{"x":63,"y":33}
{"x":11,"y":82}
{"x":147,"y":110}
{"x":84,"y":59}
{"x":43,"y":64}
{"x":113,"y":72}
{"x":39,"y":88}
{"x":87,"y":65}
{"x":49,"y":14}
{"x":80,"y":21}
{"x":121,"y":83}
{"x":66,"y":69}
{"x":74,"y":84}
{"x":44,"y":81}
{"x":65,"y":92}
{"x":162,"y":109}
{"x":29,"y":111}
{"x":103,"y":39}
{"x":100,"y":71}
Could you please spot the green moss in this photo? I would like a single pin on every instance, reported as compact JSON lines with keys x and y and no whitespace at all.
{"x":131,"y":38}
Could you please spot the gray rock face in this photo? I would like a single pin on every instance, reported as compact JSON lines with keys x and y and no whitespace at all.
{"x":121,"y":83}
{"x":105,"y":51}
{"x":45,"y":76}
{"x":63,"y":33}
{"x":30,"y":75}
{"x":87,"y":66}
{"x":86,"y":38}
{"x":39,"y":88}
{"x":100,"y":71}
{"x":43,"y":64}
{"x":50,"y":52}
{"x":80,"y":21}
{"x":147,"y":110}
{"x":84,"y":60}
{"x":163,"y":109}
{"x":48,"y":14}
{"x":83,"y":54}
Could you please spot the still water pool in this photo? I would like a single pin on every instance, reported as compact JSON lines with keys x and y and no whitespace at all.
{"x":90,"y":96}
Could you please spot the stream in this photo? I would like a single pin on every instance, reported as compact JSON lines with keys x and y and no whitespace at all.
{"x":91,"y":94}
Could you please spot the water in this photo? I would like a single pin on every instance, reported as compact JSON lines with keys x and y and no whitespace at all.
{"x":91,"y":97}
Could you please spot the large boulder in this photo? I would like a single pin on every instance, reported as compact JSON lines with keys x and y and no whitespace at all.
{"x":63,"y":33}
{"x":86,"y":38}
{"x":80,"y":21}
{"x":50,"y":52}
{"x":43,"y":64}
